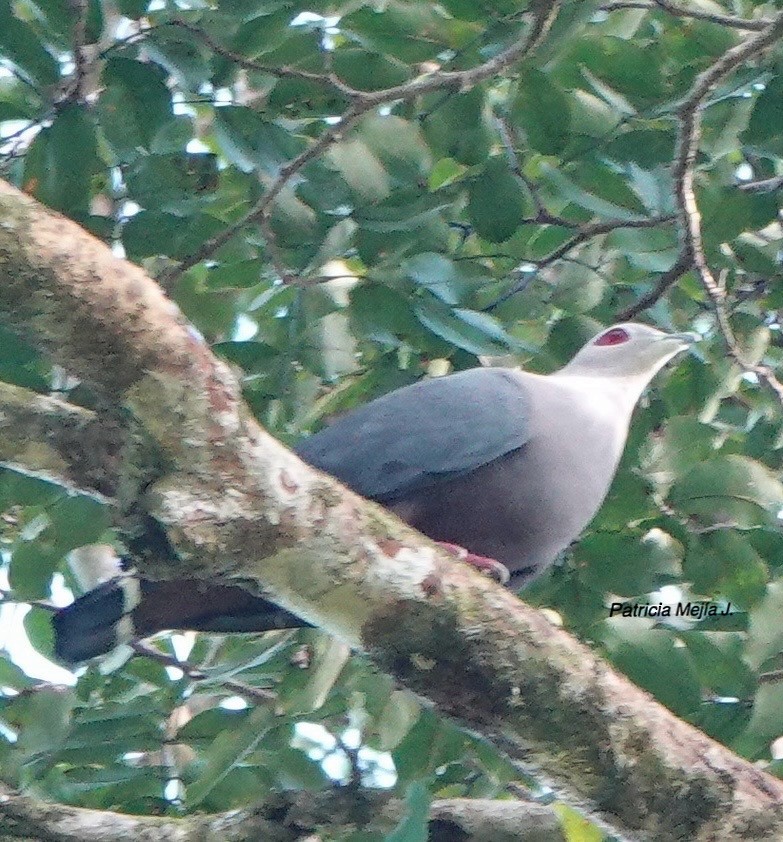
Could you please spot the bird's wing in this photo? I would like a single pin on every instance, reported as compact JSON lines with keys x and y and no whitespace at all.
{"x":421,"y":434}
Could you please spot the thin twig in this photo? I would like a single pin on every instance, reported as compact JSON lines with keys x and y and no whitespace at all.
{"x":18,"y":142}
{"x":509,"y":139}
{"x":75,"y":91}
{"x":275,"y":255}
{"x":255,"y":694}
{"x":764,"y":185}
{"x":583,"y":233}
{"x":755,"y":25}
{"x":284,"y":72}
{"x":670,"y":277}
{"x":711,"y":17}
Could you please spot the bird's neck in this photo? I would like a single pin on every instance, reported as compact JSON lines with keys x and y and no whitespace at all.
{"x":621,"y":393}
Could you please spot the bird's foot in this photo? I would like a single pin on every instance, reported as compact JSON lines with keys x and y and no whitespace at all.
{"x":489,"y":566}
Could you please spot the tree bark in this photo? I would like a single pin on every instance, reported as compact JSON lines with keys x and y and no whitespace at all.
{"x":287,"y":817}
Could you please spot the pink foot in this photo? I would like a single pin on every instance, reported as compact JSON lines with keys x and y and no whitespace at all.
{"x":494,"y":569}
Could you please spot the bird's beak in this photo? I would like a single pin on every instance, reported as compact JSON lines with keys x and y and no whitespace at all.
{"x":682,"y":338}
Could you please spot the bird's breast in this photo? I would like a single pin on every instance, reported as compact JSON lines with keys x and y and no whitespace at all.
{"x":566,"y":469}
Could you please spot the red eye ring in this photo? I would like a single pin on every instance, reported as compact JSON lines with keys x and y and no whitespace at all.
{"x":615,"y":336}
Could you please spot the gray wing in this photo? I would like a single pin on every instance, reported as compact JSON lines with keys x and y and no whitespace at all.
{"x":421,"y":434}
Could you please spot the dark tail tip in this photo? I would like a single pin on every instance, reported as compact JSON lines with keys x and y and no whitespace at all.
{"x":125,"y":608}
{"x":90,"y":626}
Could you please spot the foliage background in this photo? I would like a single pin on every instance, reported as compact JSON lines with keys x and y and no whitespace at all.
{"x":447,"y":221}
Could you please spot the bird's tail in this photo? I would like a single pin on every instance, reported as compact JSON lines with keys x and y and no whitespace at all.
{"x":126,"y":608}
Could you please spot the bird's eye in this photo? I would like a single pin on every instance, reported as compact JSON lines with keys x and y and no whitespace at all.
{"x":615,"y":336}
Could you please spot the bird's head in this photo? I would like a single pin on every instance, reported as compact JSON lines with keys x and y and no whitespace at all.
{"x":630,"y":350}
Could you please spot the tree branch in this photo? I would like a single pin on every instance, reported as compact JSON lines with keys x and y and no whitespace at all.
{"x":689,"y":134}
{"x":285,"y":817}
{"x":60,"y":442}
{"x":362,"y":102}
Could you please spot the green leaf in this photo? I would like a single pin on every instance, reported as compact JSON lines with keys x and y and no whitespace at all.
{"x":579,"y":289}
{"x":651,"y":658}
{"x":649,"y":249}
{"x":629,"y":500}
{"x":31,"y":569}
{"x":362,"y":171}
{"x":20,"y":45}
{"x":58,"y":18}
{"x":294,"y":770}
{"x":766,"y":721}
{"x":564,"y":188}
{"x":227,"y":752}
{"x":134,"y":106}
{"x":16,"y":103}
{"x":647,"y":147}
{"x":729,"y":489}
{"x":172,"y":182}
{"x":590,"y":115}
{"x":239,"y":788}
{"x":398,"y":144}
{"x":574,"y":826}
{"x":767,"y":116}
{"x":718,"y":660}
{"x":239,"y":275}
{"x":133,"y":9}
{"x":414,"y":826}
{"x":399,"y":715}
{"x":627,"y":73}
{"x":61,"y":162}
{"x":328,"y":657}
{"x":264,"y":32}
{"x":436,"y":273}
{"x":682,"y":444}
{"x":398,"y":215}
{"x":210,"y":724}
{"x":765,"y":632}
{"x":728,"y":212}
{"x":368,"y":71}
{"x":542,"y":109}
{"x":725,"y":562}
{"x":458,"y":128}
{"x":567,"y":27}
{"x":627,"y":564}
{"x":405,"y":31}
{"x":137,"y":722}
{"x":181,"y":54}
{"x":381,"y":314}
{"x":755,"y":256}
{"x":252,"y":142}
{"x":11,"y":675}
{"x":42,"y":718}
{"x":155,"y":233}
{"x":497,"y":201}
{"x":77,"y":520}
{"x":474,"y":332}
{"x":302,"y":98}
